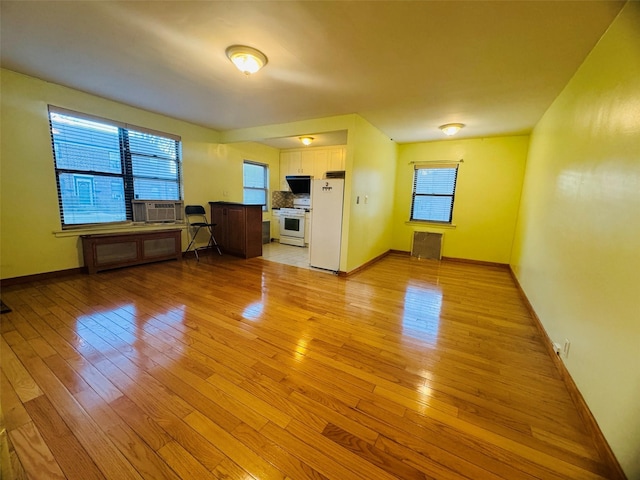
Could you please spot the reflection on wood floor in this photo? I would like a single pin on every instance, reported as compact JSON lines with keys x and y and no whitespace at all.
{"x":230,"y":368}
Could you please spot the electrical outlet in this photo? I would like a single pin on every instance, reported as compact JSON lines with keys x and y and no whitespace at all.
{"x":566,"y":347}
{"x":557,"y":348}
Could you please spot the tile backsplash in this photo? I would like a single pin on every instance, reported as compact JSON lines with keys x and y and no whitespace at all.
{"x":282,"y":199}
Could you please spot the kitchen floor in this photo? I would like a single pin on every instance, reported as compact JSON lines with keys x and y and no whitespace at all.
{"x":287,"y":254}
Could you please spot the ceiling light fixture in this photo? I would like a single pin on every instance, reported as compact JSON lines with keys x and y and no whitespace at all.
{"x":451,"y":128}
{"x":248,"y":60}
{"x":306,"y":140}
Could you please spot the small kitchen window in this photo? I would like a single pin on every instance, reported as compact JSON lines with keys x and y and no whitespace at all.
{"x":255,"y":182}
{"x":434,"y":188}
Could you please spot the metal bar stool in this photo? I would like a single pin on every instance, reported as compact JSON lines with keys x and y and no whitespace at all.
{"x":196,"y":221}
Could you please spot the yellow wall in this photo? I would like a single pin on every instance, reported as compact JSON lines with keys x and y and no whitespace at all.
{"x":232,"y":157}
{"x":212,"y":171}
{"x":29,"y":212}
{"x":370,"y":167}
{"x":487,"y":195}
{"x":369,"y":203}
{"x":577,"y":248}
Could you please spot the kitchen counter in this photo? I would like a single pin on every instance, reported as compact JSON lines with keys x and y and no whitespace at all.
{"x":238,"y":229}
{"x":220,"y":202}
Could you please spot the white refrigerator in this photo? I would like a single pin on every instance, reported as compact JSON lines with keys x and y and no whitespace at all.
{"x":326,"y":223}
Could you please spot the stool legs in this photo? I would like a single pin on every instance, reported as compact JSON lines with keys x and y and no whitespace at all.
{"x":193,"y":239}
{"x":212,"y":242}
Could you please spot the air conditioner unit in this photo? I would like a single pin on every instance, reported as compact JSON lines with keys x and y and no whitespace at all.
{"x":156,"y":211}
{"x":161,"y":211}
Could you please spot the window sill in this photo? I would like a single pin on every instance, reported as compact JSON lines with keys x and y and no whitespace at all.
{"x":420,"y":223}
{"x":128,"y":227}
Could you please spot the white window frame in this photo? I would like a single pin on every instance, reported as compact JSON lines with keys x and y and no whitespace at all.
{"x":434,"y":196}
{"x":266,"y":183}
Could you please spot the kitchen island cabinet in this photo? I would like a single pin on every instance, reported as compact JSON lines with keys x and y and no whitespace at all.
{"x":238,"y":229}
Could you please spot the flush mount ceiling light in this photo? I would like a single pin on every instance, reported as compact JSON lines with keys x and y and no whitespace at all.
{"x":451,"y":128}
{"x":248,"y":60}
{"x":306,"y":140}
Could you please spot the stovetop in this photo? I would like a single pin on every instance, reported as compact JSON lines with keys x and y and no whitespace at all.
{"x":294,"y":211}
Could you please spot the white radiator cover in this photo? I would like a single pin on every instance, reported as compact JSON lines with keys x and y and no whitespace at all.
{"x":427,"y":245}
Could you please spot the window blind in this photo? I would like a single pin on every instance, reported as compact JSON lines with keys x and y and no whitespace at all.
{"x":102,"y":165}
{"x":433,"y":193}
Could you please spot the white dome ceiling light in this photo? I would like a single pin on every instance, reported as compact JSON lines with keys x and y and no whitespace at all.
{"x":246,"y":59}
{"x":451,"y":128}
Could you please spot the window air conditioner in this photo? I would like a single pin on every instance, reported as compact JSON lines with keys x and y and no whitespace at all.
{"x":161,"y":212}
{"x":153,"y":211}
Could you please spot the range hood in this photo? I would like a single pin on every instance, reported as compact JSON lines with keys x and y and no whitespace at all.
{"x":299,"y":183}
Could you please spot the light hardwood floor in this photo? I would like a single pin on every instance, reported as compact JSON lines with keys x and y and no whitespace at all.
{"x":230,"y":368}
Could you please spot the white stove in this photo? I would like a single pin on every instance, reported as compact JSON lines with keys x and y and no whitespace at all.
{"x":292,"y":222}
{"x":292,"y":212}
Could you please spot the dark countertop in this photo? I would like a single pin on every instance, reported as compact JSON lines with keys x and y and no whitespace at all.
{"x":220,"y":202}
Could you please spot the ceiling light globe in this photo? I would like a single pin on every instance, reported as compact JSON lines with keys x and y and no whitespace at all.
{"x":306,"y":140}
{"x":246,"y":59}
{"x":451,"y":128}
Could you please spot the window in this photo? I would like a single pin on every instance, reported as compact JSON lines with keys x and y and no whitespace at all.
{"x":433,"y":193}
{"x":255,"y":182}
{"x":102,"y":165}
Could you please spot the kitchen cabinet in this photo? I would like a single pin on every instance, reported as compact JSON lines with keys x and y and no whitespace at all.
{"x":307,"y":160}
{"x":238,"y":229}
{"x":297,"y":162}
{"x":336,"y":160}
{"x":320,"y":163}
{"x":285,"y":163}
{"x":310,"y":161}
{"x":275,"y":224}
{"x":290,"y":164}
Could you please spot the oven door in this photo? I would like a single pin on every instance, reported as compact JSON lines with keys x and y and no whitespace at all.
{"x":292,"y":226}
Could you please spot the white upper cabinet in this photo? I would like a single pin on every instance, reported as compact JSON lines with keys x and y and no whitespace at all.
{"x":321,"y":163}
{"x":336,"y":159}
{"x":307,"y":159}
{"x":310,"y":161}
{"x":289,"y":165}
{"x":290,"y":162}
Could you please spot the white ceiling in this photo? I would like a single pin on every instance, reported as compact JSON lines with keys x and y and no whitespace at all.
{"x":405,"y":66}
